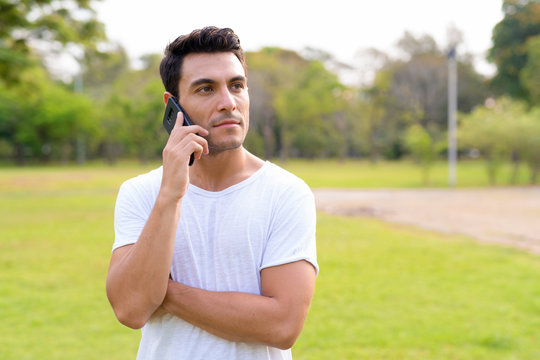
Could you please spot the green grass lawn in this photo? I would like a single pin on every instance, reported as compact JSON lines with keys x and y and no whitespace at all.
{"x":384,"y":291}
{"x":402,"y":174}
{"x":396,"y":292}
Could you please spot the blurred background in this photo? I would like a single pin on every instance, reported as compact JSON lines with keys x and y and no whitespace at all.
{"x":79,"y":80}
{"x":416,"y":123}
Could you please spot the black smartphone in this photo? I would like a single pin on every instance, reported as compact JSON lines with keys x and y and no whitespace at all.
{"x":169,"y":119}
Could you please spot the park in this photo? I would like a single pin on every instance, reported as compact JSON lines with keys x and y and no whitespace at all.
{"x":425,"y":177}
{"x":386,"y":290}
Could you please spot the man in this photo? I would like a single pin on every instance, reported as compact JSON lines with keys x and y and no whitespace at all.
{"x":216,"y":260}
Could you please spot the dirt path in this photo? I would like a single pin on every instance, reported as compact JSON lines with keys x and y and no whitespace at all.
{"x":509,"y":216}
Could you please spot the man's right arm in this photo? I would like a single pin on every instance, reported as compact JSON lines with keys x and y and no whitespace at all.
{"x":138,"y":274}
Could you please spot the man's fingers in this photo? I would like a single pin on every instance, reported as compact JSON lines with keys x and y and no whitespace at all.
{"x":179,"y":126}
{"x":179,"y":120}
{"x":197,"y":145}
{"x":184,"y":145}
{"x":187,"y":140}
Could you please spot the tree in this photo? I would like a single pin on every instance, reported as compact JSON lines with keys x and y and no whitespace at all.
{"x":270,"y":71}
{"x":413,"y":89}
{"x":132,"y":114}
{"x":422,"y":148}
{"x":420,"y":84}
{"x":530,"y":74}
{"x":495,"y":131}
{"x":296,"y":106}
{"x":524,"y":140}
{"x":531,"y":143}
{"x":521,"y":21}
{"x":25,"y":24}
{"x":308,"y":113}
{"x":380,"y":125}
{"x":43,"y":119}
{"x":412,"y":46}
{"x":101,"y":70}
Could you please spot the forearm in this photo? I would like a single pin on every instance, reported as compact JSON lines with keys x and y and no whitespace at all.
{"x":236,"y":316}
{"x":137,"y":282}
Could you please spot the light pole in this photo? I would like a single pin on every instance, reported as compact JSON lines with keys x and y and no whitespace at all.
{"x":452,"y":117}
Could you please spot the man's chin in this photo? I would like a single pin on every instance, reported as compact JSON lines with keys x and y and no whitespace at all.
{"x":215,"y":149}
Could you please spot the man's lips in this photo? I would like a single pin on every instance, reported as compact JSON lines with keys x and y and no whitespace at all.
{"x":226,"y":124}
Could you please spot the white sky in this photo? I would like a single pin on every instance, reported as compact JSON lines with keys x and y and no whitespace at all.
{"x":340,"y":27}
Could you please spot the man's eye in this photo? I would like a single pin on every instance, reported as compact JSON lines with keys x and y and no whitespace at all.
{"x":238,"y":86}
{"x":205,"y":89}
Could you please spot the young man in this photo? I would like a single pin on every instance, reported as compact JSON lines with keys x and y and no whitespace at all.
{"x":215,"y":260}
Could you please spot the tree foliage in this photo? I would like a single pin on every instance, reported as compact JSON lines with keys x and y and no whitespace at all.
{"x":501,"y":129}
{"x":509,"y":51}
{"x":296,"y":105}
{"x":299,"y":105}
{"x":57,"y":23}
{"x":530,"y":74}
{"x":43,"y":119}
{"x":414,"y":89}
{"x":422,"y":148}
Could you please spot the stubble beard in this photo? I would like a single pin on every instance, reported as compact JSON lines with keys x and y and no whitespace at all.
{"x":215,"y":150}
{"x":217,"y":147}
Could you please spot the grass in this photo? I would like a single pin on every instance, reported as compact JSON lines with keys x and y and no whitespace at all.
{"x":55,"y":237}
{"x":325,"y":173}
{"x":384,"y":291}
{"x":402,"y":174}
{"x":396,"y":292}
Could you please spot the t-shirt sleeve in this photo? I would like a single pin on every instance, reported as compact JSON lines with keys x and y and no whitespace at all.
{"x":292,"y":234}
{"x":130,"y":215}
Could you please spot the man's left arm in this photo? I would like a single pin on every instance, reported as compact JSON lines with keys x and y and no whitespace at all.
{"x":274,"y":318}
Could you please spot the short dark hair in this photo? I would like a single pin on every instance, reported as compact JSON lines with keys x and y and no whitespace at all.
{"x":206,"y":40}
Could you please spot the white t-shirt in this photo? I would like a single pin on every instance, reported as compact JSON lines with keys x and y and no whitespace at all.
{"x":224,"y":239}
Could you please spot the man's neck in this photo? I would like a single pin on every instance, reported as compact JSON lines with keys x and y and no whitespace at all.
{"x":216,"y":172}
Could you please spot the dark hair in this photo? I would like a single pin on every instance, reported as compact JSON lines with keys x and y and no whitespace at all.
{"x":207,"y":40}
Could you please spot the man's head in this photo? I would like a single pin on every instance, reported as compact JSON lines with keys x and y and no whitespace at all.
{"x":207,"y":40}
{"x":206,"y":72}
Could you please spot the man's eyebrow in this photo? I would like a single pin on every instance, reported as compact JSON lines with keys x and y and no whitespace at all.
{"x":239,"y":78}
{"x":204,"y":81}
{"x":201,"y":82}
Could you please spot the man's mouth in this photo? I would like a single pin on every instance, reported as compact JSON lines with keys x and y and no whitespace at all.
{"x":228,"y":120}
{"x":227,"y":123}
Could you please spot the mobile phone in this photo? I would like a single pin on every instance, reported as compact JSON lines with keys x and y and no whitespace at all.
{"x":169,"y":118}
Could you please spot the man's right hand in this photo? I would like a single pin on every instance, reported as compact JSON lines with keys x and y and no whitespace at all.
{"x":183,"y":141}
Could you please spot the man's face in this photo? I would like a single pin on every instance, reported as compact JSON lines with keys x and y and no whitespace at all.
{"x":213,"y":91}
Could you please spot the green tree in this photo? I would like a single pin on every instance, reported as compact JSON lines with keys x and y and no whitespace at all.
{"x":101,"y":70}
{"x":521,"y":21}
{"x":525,"y":140}
{"x":495,"y":131}
{"x":59,"y":22}
{"x":308,"y":112}
{"x":420,"y":84}
{"x":40,"y":118}
{"x":132,"y":112}
{"x":271,"y":70}
{"x":413,"y":89}
{"x":297,"y":106}
{"x":380,"y":128}
{"x":422,"y":148}
{"x":530,"y":74}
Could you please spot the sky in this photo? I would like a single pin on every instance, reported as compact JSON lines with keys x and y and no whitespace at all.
{"x":340,"y":27}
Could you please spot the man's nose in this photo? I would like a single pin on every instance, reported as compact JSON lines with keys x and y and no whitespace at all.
{"x":227,"y":101}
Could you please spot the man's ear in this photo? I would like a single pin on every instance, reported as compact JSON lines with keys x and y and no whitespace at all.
{"x":166,"y":96}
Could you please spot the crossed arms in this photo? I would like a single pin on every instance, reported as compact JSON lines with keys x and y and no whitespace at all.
{"x":138,"y":287}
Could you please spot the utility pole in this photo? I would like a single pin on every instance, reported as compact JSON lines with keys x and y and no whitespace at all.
{"x":452,"y":117}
